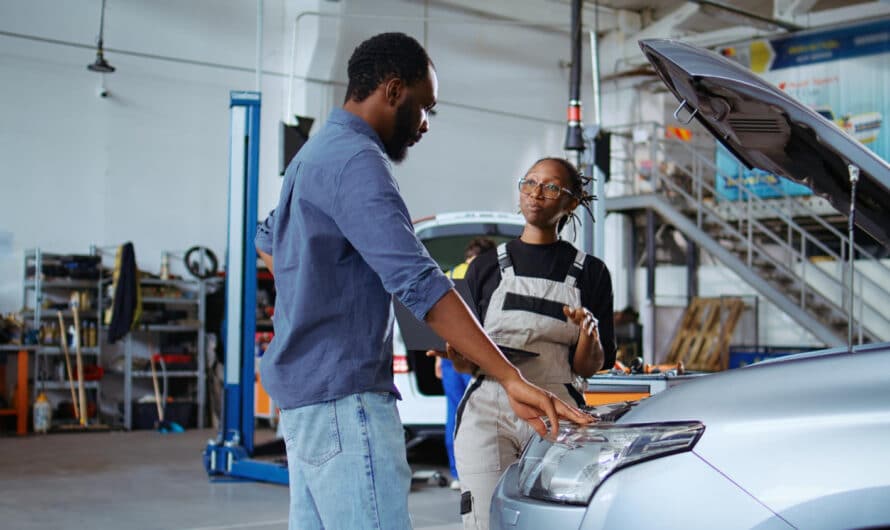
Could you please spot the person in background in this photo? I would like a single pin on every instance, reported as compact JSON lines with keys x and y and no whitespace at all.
{"x":340,"y":244}
{"x":453,"y":382}
{"x":548,"y":306}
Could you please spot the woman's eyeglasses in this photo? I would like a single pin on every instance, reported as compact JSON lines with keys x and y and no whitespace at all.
{"x":549,"y":191}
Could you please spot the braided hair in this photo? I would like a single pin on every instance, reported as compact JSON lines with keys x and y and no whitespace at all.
{"x":577,"y":183}
{"x":383,"y":57}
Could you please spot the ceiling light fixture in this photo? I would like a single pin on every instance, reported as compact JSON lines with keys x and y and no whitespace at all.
{"x":100,"y":64}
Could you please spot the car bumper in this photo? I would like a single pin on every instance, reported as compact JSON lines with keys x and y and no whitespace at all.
{"x":679,"y":491}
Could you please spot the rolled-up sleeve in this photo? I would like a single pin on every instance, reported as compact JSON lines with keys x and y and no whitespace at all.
{"x":263,"y":238}
{"x":370,"y":212}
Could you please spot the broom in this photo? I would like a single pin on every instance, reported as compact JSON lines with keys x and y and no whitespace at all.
{"x":163,"y":426}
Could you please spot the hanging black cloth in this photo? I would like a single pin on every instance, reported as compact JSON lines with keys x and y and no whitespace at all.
{"x":126,"y":303}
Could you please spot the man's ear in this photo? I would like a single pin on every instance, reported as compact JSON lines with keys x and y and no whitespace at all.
{"x":393,"y":90}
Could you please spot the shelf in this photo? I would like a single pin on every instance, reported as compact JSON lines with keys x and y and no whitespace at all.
{"x":50,"y":314}
{"x":65,"y":385}
{"x":173,"y":283}
{"x":168,"y":300}
{"x":170,"y":328}
{"x":187,"y":297}
{"x":170,"y":373}
{"x":18,"y":347}
{"x":57,"y":350}
{"x":63,"y":283}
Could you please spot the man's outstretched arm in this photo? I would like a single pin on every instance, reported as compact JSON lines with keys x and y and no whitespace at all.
{"x":453,"y":321}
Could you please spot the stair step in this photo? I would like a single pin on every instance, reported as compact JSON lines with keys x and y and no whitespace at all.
{"x":783,"y":280}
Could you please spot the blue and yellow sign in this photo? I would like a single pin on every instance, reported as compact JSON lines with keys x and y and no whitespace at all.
{"x":842,"y":73}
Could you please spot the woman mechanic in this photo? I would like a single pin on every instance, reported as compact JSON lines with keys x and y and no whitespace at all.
{"x":548,"y":306}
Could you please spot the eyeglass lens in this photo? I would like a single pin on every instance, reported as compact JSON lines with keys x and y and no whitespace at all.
{"x":549,"y":191}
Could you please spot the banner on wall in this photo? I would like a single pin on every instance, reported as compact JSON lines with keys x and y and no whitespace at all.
{"x":843,"y":74}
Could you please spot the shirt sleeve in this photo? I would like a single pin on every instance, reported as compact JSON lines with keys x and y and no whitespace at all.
{"x":370,"y":212}
{"x":483,"y":277}
{"x":263,"y":238}
{"x":598,"y":297}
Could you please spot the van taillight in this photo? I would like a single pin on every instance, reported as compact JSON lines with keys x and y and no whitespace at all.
{"x":399,"y":364}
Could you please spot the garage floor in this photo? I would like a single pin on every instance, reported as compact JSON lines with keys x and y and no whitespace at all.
{"x":147,"y":480}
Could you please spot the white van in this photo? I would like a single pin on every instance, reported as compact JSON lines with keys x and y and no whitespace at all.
{"x":445,"y":236}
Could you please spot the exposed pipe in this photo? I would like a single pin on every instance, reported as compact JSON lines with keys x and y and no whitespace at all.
{"x":259,"y":45}
{"x":854,"y":178}
{"x":598,"y":232}
{"x":574,"y":138}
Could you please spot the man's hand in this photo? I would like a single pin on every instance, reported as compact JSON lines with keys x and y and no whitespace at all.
{"x":531,"y":403}
{"x":460,"y":363}
{"x":452,"y":320}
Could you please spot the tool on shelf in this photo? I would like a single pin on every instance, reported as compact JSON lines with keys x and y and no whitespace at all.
{"x":63,"y":340}
{"x":163,"y":425}
{"x":81,"y":389}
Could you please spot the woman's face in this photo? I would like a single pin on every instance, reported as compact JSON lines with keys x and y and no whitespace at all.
{"x":539,"y":210}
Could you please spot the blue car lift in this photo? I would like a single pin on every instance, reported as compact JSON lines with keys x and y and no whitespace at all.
{"x":229,"y":456}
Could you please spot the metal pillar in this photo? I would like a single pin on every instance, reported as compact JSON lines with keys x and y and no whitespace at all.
{"x":229,"y":454}
{"x":650,"y":278}
{"x":691,"y":270}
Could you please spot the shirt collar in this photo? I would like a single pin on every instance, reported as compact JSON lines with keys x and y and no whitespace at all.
{"x":357,"y":124}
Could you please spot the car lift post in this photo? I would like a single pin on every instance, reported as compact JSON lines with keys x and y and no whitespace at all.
{"x":229,"y":454}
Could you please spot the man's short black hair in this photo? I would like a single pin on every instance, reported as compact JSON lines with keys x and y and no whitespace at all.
{"x":383,"y":57}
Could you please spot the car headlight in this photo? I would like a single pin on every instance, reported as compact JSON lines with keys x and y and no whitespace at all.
{"x":569,"y":468}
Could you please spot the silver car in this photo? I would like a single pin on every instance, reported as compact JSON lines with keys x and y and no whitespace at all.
{"x":798,"y":442}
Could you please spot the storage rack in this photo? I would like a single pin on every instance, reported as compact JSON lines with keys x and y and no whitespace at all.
{"x":192,"y":294}
{"x":42,"y":289}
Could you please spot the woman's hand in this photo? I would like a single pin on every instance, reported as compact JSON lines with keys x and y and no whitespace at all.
{"x":589,"y":355}
{"x":584,"y":319}
{"x":460,"y":363}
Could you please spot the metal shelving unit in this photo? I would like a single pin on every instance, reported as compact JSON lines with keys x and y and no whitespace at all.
{"x":40,"y":290}
{"x":192,"y":295}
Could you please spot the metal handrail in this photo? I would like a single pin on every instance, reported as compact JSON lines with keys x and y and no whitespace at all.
{"x":747,"y":224}
{"x":783,"y":216}
{"x":764,"y":255}
{"x":842,"y":237}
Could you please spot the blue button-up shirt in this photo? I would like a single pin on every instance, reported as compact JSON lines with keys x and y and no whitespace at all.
{"x":341,"y":241}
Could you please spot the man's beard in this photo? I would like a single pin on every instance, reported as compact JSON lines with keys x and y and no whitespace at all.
{"x":397,"y":145}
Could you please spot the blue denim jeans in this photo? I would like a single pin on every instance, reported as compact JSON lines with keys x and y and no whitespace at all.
{"x":347,"y":464}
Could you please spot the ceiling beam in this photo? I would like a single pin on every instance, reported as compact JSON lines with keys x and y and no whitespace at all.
{"x":841,"y":15}
{"x":666,"y":25}
{"x":555,"y":14}
{"x":741,"y":17}
{"x":788,"y":9}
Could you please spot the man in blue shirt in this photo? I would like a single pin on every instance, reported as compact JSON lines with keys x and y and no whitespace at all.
{"x":340,"y":244}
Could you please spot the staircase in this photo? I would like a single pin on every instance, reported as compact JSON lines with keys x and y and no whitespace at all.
{"x":769,"y":243}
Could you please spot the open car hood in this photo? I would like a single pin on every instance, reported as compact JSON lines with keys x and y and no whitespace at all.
{"x":766,"y":129}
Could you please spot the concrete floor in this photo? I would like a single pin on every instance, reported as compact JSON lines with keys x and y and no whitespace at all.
{"x":147,"y":480}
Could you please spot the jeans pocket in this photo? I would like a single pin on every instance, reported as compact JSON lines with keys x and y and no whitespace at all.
{"x":312,"y":435}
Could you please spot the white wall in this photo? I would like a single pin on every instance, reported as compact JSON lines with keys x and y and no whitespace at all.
{"x":149,"y":164}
